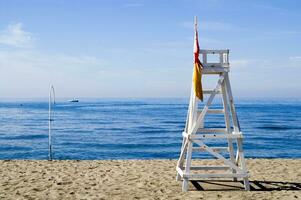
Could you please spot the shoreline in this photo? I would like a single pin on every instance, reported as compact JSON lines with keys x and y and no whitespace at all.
{"x":140,"y":179}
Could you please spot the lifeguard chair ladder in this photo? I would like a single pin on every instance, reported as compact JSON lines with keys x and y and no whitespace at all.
{"x":195,"y":135}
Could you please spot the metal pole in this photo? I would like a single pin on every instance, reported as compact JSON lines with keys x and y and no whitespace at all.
{"x":51,"y":100}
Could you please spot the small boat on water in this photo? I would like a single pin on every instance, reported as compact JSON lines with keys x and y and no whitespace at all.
{"x":73,"y":100}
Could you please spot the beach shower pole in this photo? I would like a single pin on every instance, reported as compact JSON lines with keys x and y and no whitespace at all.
{"x":51,"y":100}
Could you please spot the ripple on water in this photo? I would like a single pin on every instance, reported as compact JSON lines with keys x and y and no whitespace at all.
{"x":139,"y":128}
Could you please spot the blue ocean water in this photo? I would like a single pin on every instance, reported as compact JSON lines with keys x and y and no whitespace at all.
{"x":139,"y":128}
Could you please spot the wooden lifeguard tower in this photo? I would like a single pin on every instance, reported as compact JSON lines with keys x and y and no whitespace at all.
{"x":196,"y":135}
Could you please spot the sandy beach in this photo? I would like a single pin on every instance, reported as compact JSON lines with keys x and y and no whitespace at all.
{"x":140,"y":179}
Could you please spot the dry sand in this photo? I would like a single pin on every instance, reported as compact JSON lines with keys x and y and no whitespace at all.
{"x":140,"y":179}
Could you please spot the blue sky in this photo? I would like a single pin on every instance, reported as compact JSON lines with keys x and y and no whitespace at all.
{"x":143,"y":48}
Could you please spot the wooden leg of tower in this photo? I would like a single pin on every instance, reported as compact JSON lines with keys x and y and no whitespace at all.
{"x":228,"y":125}
{"x":237,"y":157}
{"x":235,"y":121}
{"x":181,"y":158}
{"x":243,"y":163}
{"x":240,"y":154}
{"x":187,"y":167}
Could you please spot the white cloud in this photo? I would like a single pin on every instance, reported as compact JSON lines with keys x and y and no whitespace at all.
{"x":21,"y":59}
{"x":240,"y":63}
{"x":294,"y":62}
{"x":295,"y":58}
{"x":14,"y":35}
{"x":28,"y":73}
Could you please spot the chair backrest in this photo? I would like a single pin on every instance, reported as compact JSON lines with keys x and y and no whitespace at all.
{"x":223,"y":58}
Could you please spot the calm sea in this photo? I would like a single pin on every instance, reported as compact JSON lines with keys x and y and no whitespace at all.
{"x":139,"y":128}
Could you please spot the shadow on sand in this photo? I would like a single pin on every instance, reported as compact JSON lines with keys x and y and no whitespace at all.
{"x":256,"y":185}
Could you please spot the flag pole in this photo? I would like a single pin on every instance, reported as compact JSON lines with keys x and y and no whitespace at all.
{"x":195,"y":23}
{"x":195,"y":30}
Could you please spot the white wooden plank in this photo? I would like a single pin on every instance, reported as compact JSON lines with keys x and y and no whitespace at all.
{"x":180,"y":171}
{"x":213,"y":51}
{"x":228,"y":123}
{"x":214,"y":136}
{"x":217,"y":149}
{"x":221,"y":57}
{"x":212,"y":130}
{"x":187,"y":166}
{"x":211,"y":91}
{"x":206,"y":168}
{"x":219,"y":156}
{"x":201,"y":176}
{"x":239,"y":154}
{"x":211,"y":136}
{"x":181,"y":158}
{"x":243,"y":163}
{"x":231,"y":103}
{"x":214,"y":68}
{"x":213,"y":111}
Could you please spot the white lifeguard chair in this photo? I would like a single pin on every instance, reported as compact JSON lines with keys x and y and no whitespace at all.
{"x":195,"y":135}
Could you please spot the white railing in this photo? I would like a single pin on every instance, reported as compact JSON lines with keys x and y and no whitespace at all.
{"x":223,"y":58}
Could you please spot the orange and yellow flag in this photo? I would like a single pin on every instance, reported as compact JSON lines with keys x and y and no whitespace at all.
{"x":197,"y":71}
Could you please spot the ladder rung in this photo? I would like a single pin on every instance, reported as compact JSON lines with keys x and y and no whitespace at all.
{"x":213,"y":136}
{"x":212,"y":130}
{"x":212,"y":91}
{"x":216,"y":149}
{"x":200,"y":176}
{"x":213,"y":167}
{"x":213,"y":111}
